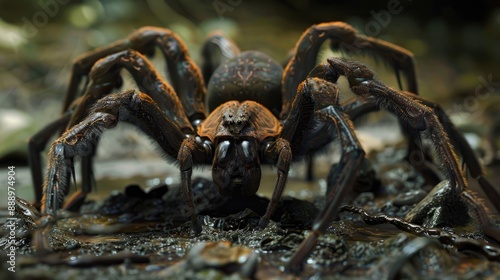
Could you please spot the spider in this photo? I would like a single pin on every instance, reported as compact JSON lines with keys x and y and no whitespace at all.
{"x":258,"y":113}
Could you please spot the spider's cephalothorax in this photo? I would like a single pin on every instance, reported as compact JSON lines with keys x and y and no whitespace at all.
{"x":237,"y":130}
{"x":258,"y":113}
{"x":239,"y":93}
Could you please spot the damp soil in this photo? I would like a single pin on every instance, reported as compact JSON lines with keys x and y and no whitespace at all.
{"x":140,"y":232}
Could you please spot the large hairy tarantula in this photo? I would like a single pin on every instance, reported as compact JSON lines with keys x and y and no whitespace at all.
{"x":258,"y":113}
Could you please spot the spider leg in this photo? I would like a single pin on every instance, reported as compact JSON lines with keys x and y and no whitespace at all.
{"x":216,"y":50}
{"x":331,"y":115}
{"x":406,"y":107}
{"x":103,"y":76}
{"x":36,"y":144}
{"x":107,"y":70}
{"x":281,"y":151}
{"x":185,"y":75}
{"x":129,"y":106}
{"x":411,"y":111}
{"x":358,"y":108}
{"x":460,"y":143}
{"x":345,"y":38}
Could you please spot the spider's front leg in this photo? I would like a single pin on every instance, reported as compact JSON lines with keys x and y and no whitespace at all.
{"x":330,"y":115}
{"x":474,"y":166}
{"x":103,"y":77}
{"x":36,"y":144}
{"x":136,"y":108}
{"x":410,"y":110}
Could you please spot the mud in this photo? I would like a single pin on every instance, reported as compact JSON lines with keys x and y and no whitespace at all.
{"x":138,"y":234}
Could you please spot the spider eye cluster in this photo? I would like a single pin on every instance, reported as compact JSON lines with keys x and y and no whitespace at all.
{"x":236,"y":119}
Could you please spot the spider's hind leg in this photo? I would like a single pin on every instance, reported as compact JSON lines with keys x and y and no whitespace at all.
{"x":469,"y":157}
{"x":357,"y":108}
{"x":345,"y":38}
{"x":216,"y":50}
{"x":185,"y":75}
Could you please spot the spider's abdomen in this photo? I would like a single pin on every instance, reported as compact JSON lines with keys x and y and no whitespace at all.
{"x":251,"y":75}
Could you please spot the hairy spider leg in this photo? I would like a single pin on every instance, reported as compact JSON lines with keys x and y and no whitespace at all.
{"x":356,"y":109}
{"x":36,"y":144}
{"x":147,"y":79}
{"x":407,"y":109}
{"x":216,"y":50}
{"x":184,"y":74}
{"x":345,"y":38}
{"x":280,"y":151}
{"x":136,"y":108}
{"x":330,"y":114}
{"x":104,"y":72}
{"x":410,"y":110}
{"x":469,"y":157}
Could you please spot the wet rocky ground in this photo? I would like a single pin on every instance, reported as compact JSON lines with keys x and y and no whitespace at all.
{"x":140,"y":232}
